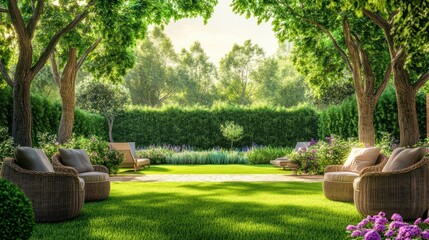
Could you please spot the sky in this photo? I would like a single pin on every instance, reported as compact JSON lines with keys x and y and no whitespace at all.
{"x":220,"y":33}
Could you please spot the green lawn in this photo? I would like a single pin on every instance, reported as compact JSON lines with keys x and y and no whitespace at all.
{"x":209,"y":169}
{"x":137,"y":210}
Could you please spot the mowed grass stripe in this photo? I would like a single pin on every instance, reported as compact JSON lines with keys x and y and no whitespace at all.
{"x":138,"y":210}
{"x":208,"y":169}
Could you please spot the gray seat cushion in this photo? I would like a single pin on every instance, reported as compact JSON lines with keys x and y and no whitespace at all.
{"x":404,"y":157}
{"x":93,"y":177}
{"x":77,"y":159}
{"x":340,"y":176}
{"x":33,"y":159}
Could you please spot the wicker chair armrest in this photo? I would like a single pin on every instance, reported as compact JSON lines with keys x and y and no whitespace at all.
{"x":101,"y":168}
{"x":65,"y":169}
{"x":333,"y":168}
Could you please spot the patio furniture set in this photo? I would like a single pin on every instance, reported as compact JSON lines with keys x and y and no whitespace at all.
{"x":59,"y":189}
{"x":398,"y":184}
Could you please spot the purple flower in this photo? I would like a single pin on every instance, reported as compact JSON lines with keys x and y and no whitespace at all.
{"x":426,"y":221}
{"x":312,"y":142}
{"x":409,"y":231}
{"x":389,"y":233}
{"x":418,"y":221}
{"x":356,"y":233}
{"x":425,"y":234}
{"x":363,"y":223}
{"x":397,"y":217}
{"x":381,"y":214}
{"x":372,"y":235}
{"x":395,"y":224}
{"x":351,"y":228}
{"x":379,"y":227}
{"x":381,"y":220}
{"x":313,"y":151}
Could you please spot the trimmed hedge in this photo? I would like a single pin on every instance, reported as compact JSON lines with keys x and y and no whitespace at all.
{"x":200,"y":127}
{"x":342,"y":119}
{"x":47,"y":115}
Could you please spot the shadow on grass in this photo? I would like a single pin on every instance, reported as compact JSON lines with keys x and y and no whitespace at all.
{"x":208,"y":211}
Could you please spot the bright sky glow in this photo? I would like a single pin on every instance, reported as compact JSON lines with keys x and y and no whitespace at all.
{"x":220,"y":33}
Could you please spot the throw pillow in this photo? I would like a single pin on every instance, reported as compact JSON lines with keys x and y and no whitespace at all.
{"x":361,"y":158}
{"x":77,"y":159}
{"x":33,"y":159}
{"x":404,"y":157}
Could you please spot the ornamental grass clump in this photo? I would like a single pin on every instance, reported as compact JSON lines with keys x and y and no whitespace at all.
{"x":377,"y":227}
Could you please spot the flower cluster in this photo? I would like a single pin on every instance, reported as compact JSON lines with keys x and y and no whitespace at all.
{"x":378,"y":227}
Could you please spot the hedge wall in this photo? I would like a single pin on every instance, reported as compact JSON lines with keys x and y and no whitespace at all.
{"x":342,"y":119}
{"x":200,"y":127}
{"x":47,"y":115}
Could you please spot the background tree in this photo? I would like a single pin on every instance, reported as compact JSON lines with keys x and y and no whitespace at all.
{"x":102,"y":98}
{"x":315,"y":26}
{"x":237,"y":72}
{"x":406,"y":32}
{"x":200,"y":87}
{"x":22,"y":20}
{"x":154,"y":79}
{"x":232,"y":131}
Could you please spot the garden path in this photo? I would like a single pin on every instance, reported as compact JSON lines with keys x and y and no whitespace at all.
{"x":217,"y":178}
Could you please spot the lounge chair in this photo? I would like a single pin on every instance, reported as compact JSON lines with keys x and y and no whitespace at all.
{"x":131,"y":160}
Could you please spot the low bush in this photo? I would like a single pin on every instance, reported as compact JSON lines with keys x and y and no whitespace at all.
{"x":7,"y":146}
{"x":263,"y":155}
{"x":16,"y":212}
{"x":207,"y":157}
{"x":314,"y":159}
{"x":157,"y":155}
{"x":100,"y":152}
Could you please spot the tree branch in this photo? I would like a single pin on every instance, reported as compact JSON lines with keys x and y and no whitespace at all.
{"x":17,"y":21}
{"x":354,"y":56}
{"x":367,"y":72}
{"x":87,"y":52}
{"x":383,"y":84}
{"x":54,"y":68}
{"x":54,"y":40}
{"x":422,"y":80}
{"x":385,"y":26}
{"x":323,"y":29}
{"x":37,"y":12}
{"x":6,"y":75}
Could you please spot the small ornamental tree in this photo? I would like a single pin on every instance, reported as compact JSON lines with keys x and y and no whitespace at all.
{"x":102,"y":98}
{"x":231,"y":131}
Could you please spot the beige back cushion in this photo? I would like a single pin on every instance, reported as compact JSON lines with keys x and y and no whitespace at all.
{"x":361,"y":158}
{"x":77,"y":159}
{"x":33,"y":159}
{"x":404,"y":157}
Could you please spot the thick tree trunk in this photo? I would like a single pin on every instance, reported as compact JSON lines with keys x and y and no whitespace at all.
{"x":366,"y":121}
{"x":406,"y":99}
{"x":21,"y":122}
{"x":67,"y":92}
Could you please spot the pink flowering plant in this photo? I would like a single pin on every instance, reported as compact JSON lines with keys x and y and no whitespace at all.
{"x":379,"y":227}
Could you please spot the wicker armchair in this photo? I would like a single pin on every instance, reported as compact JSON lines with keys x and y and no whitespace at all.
{"x":55,"y":196}
{"x":342,"y":190}
{"x":94,"y":190}
{"x":404,"y":191}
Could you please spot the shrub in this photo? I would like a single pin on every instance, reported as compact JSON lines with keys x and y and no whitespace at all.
{"x":7,"y":146}
{"x":263,"y":155}
{"x":207,"y":157}
{"x":199,"y":127}
{"x":157,"y":155}
{"x":315,"y":158}
{"x":17,"y":216}
{"x":231,"y":131}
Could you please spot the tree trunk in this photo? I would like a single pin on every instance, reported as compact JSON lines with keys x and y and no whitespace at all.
{"x":21,"y":124}
{"x":366,"y":121}
{"x":67,"y":93}
{"x":406,"y":99}
{"x":110,"y":123}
